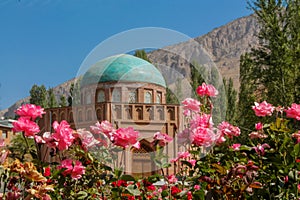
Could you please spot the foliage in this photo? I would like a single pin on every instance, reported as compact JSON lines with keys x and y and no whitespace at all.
{"x":276,"y":59}
{"x":271,"y":70}
{"x":74,"y":97}
{"x":231,"y":100}
{"x":38,"y":95}
{"x":211,"y":164}
{"x":141,"y":54}
{"x":63,"y":101}
{"x":52,"y":103}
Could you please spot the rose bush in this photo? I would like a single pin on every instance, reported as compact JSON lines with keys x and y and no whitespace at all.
{"x":212,"y":163}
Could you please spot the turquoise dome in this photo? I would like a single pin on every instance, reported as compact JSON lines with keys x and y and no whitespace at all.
{"x":123,"y":68}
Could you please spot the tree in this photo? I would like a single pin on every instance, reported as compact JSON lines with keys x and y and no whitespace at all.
{"x":38,"y":95}
{"x":75,"y":95}
{"x":52,"y":99}
{"x":277,"y":58}
{"x":270,"y":71}
{"x":71,"y":91}
{"x":171,"y":97}
{"x":246,"y":94}
{"x":141,"y":54}
{"x":62,"y":101}
{"x":197,"y":73}
{"x":209,"y":75}
{"x":231,"y":100}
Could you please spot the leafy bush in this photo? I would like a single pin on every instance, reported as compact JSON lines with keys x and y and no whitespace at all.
{"x":212,"y":164}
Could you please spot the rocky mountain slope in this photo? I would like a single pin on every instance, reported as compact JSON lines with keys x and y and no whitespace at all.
{"x":224,"y":45}
{"x":62,"y":89}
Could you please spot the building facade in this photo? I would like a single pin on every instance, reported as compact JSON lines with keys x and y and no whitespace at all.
{"x":127,"y":91}
{"x":6,"y":130}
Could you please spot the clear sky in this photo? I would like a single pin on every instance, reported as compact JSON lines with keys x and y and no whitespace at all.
{"x":45,"y":41}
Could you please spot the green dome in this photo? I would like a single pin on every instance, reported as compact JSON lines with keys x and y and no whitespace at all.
{"x":123,"y":68}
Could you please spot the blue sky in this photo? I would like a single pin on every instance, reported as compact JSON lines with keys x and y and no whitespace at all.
{"x":45,"y":41}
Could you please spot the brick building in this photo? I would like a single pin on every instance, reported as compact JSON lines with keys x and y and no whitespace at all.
{"x":127,"y":91}
{"x":6,"y":131}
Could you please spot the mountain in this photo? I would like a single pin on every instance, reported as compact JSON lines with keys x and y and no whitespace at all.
{"x":223,"y":45}
{"x":62,"y":89}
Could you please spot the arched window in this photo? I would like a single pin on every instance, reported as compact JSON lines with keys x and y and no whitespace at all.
{"x":99,"y":114}
{"x":53,"y":117}
{"x":148,"y":97}
{"x":100,"y":96}
{"x":88,"y":98}
{"x":116,"y":95}
{"x":158,"y":97}
{"x":89,"y":115}
{"x":71,"y":119}
{"x":171,"y":114}
{"x":79,"y":116}
{"x":139,"y":113}
{"x":132,"y":96}
{"x":62,"y":116}
{"x":141,"y":160}
{"x":161,"y":114}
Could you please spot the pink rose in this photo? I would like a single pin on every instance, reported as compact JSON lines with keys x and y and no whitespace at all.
{"x":263,"y":109}
{"x":259,"y":126}
{"x":104,"y":127}
{"x":293,"y":111}
{"x":191,"y":104}
{"x":25,"y":124}
{"x":297,"y":136}
{"x":124,"y":137}
{"x":197,"y":187}
{"x":183,"y":136}
{"x":172,"y":179}
{"x":235,"y":147}
{"x":75,"y":170}
{"x":207,"y":90}
{"x":181,"y":155}
{"x":229,"y":130}
{"x":67,"y":165}
{"x":260,"y":148}
{"x":87,"y":138}
{"x":30,"y":111}
{"x":63,"y":135}
{"x":38,"y":139}
{"x":221,"y":139}
{"x":203,"y":120}
{"x":255,"y":135}
{"x":161,"y":139}
{"x":202,"y":136}
{"x":192,"y":162}
{"x":78,"y":170}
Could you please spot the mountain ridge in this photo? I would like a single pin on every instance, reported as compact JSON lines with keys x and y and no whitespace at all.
{"x":224,"y":45}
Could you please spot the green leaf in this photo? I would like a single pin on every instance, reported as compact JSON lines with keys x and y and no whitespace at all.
{"x":90,"y":157}
{"x":118,"y":172}
{"x":245,"y":148}
{"x":186,"y":163}
{"x":291,"y":175}
{"x":296,"y":149}
{"x":166,"y":165}
{"x":82,"y":195}
{"x":133,"y":190}
{"x":154,"y":178}
{"x":126,"y":177}
{"x":164,"y":193}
